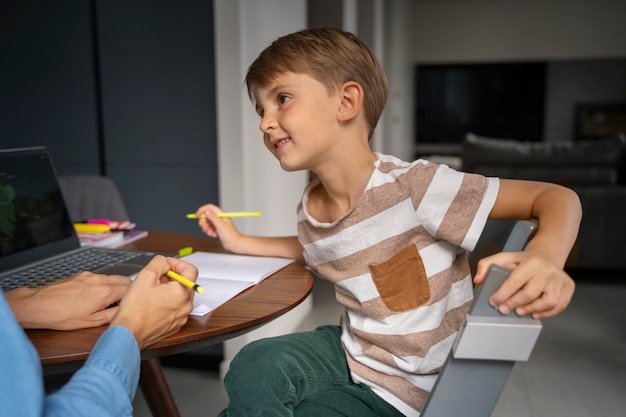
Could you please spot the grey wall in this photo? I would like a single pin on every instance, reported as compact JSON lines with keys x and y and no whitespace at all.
{"x":47,"y":84}
{"x":571,"y":36}
{"x":151,"y":124}
{"x":572,"y":82}
{"x":325,"y":13}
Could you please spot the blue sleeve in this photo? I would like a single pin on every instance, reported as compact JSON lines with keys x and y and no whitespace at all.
{"x":104,"y":386}
{"x":21,"y":379}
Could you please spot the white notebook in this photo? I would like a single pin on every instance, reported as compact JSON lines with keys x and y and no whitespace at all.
{"x":223,"y":276}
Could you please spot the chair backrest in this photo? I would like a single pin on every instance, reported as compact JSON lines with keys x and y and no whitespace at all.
{"x":91,"y":197}
{"x":486,"y":348}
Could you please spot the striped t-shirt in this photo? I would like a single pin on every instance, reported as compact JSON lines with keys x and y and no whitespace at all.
{"x":399,"y":264}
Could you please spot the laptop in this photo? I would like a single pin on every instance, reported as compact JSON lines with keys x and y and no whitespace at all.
{"x":38,"y":243}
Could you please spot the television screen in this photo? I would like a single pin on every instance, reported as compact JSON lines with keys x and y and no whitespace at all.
{"x":504,"y":100}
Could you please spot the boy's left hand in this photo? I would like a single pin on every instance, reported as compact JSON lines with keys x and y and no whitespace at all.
{"x":536,"y":285}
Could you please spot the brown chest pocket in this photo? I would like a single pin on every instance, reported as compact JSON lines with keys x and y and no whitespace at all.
{"x":401,"y":280}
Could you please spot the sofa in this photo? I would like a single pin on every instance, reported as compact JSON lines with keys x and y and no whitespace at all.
{"x":594,"y":169}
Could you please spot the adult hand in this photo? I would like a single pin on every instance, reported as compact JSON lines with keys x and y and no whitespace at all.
{"x":76,"y":302}
{"x":154,"y":306}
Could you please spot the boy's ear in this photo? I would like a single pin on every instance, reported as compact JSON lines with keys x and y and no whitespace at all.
{"x":351,"y":95}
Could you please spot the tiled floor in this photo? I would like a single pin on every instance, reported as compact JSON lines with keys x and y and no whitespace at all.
{"x":577,"y":369}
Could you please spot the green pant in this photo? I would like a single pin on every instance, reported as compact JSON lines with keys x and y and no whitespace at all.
{"x":300,"y":374}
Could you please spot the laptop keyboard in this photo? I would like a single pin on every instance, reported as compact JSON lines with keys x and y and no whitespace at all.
{"x":46,"y":273}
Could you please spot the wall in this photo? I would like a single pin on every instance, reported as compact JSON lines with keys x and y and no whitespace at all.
{"x":122,"y":89}
{"x":580,"y":81}
{"x":47,"y":82}
{"x":397,"y":118}
{"x":508,"y":30}
{"x":479,"y":30}
{"x":250,"y":177}
{"x":158,"y":101}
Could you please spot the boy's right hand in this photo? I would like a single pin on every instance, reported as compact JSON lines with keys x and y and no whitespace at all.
{"x":222,"y":228}
{"x":234,"y":241}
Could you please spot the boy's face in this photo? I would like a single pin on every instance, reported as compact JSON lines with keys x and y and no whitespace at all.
{"x":298,"y":120}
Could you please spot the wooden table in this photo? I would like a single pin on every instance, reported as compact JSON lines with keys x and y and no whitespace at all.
{"x":66,"y":351}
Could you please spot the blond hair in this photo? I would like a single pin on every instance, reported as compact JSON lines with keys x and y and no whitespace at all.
{"x":332,"y":57}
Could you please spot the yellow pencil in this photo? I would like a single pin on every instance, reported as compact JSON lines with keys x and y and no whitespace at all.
{"x":230,"y":214}
{"x":187,"y":283}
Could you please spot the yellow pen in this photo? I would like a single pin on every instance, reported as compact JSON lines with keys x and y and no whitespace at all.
{"x":187,"y":283}
{"x":230,"y":214}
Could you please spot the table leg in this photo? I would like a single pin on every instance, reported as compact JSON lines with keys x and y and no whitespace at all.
{"x":155,"y":389}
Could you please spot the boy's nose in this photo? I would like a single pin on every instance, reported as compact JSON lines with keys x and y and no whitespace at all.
{"x":268,"y":122}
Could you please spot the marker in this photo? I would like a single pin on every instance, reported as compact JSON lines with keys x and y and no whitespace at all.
{"x":106,"y":222}
{"x":230,"y":214}
{"x":187,"y":283}
{"x":91,"y":228}
{"x":185,"y":251}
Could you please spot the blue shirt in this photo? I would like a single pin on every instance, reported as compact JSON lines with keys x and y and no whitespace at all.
{"x":104,"y":386}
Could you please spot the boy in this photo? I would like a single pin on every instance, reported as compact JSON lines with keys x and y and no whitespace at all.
{"x":392,"y":236}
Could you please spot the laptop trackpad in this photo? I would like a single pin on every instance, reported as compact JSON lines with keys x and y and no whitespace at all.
{"x":128,"y":268}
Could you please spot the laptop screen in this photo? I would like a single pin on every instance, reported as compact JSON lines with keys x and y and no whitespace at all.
{"x":34,"y":221}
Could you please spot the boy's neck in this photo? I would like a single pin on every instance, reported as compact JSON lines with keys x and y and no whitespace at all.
{"x":341,"y":186}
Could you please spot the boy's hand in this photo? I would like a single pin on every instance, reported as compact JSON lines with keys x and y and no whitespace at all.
{"x":214,"y":226}
{"x":536,"y":285}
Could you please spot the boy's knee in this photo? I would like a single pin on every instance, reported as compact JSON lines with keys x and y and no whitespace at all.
{"x":259,"y":370}
{"x":263,"y":356}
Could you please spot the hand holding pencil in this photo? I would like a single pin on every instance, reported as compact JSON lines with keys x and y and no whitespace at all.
{"x":217,"y":223}
{"x":184,"y":281}
{"x":227,"y":214}
{"x":153,"y":306}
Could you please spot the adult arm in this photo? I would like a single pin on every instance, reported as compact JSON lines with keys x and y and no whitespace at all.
{"x":152,"y":308}
{"x":77,"y":302}
{"x":104,"y":386}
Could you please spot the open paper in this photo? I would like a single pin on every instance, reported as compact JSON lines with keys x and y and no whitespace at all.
{"x":223,"y":276}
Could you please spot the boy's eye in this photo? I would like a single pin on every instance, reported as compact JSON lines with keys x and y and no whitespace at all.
{"x":282,"y":98}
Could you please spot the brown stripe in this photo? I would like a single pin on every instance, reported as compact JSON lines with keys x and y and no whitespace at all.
{"x":371,"y":203}
{"x":357,"y":263}
{"x":462,"y":211}
{"x":439,"y":283}
{"x":400,"y":387}
{"x":420,"y":183}
{"x":375,"y":201}
{"x":376,"y":308}
{"x":386,"y":167}
{"x":413,"y":344}
{"x":378,"y":199}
